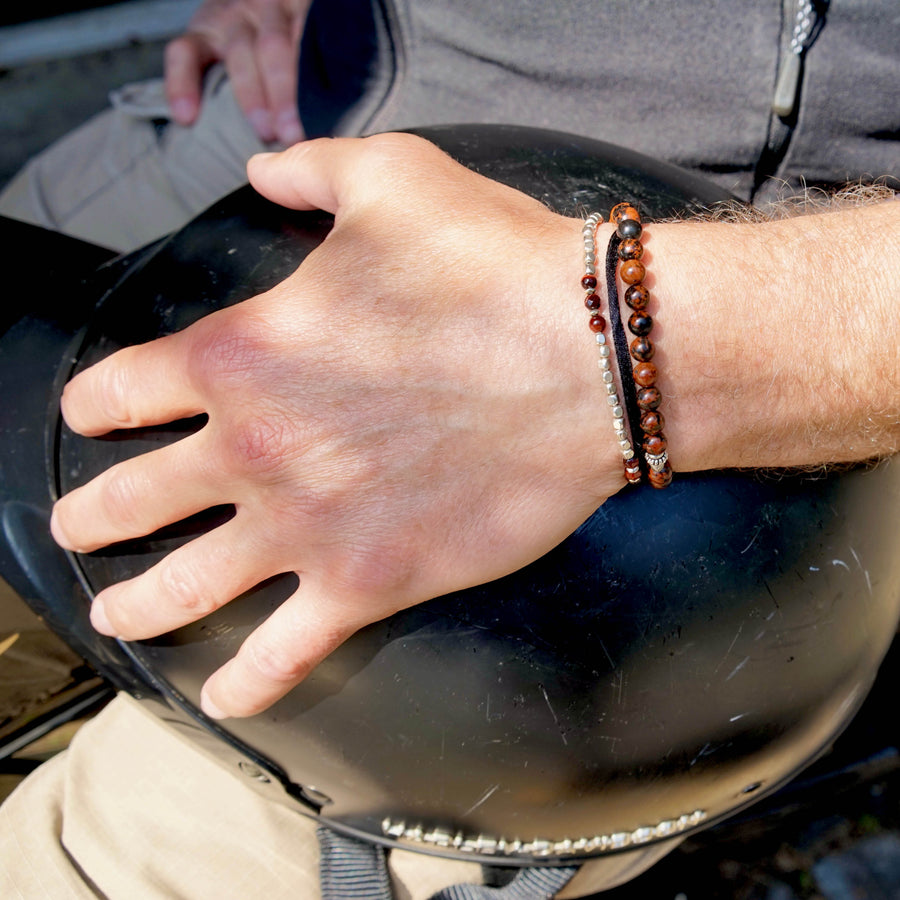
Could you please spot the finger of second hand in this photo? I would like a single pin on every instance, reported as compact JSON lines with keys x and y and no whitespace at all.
{"x":186,"y":58}
{"x":188,"y":584}
{"x":143,"y":385}
{"x":278,"y":655}
{"x":137,"y":497}
{"x":277,"y":61}
{"x":241,"y":63}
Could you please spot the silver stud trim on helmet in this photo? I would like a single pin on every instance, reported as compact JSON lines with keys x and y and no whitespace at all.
{"x":437,"y":837}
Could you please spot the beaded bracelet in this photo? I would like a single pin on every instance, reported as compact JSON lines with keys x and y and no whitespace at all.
{"x":597,"y":324}
{"x":632,"y":272}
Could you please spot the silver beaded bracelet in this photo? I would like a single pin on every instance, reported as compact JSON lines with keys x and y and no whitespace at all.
{"x":597,"y":324}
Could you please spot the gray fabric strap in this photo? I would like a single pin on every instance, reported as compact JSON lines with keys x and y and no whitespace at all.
{"x":351,"y":869}
{"x":529,"y":884}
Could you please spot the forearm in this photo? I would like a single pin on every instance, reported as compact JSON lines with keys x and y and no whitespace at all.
{"x":777,"y":343}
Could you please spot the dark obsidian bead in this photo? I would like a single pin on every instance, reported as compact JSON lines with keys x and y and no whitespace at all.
{"x":645,"y":374}
{"x":629,"y":228}
{"x":655,"y":444}
{"x":632,"y":271}
{"x":649,"y":398}
{"x":597,"y":323}
{"x":652,"y":422}
{"x":630,"y":249}
{"x":637,"y":296}
{"x":640,"y":324}
{"x":592,"y":302}
{"x":642,"y":349}
{"x":589,"y":282}
{"x":661,"y":479}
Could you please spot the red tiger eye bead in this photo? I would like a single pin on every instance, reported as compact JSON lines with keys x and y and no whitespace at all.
{"x":661,"y":479}
{"x":632,"y":271}
{"x":592,"y":302}
{"x":655,"y":444}
{"x":645,"y":374}
{"x":623,"y":211}
{"x":637,"y":296}
{"x":589,"y":282}
{"x":597,"y":324}
{"x":640,"y":323}
{"x":649,"y":398}
{"x":631,"y":248}
{"x":642,"y":349}
{"x":652,"y":422}
{"x":632,"y":470}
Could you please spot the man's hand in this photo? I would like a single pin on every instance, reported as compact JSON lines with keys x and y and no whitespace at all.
{"x":258,"y":41}
{"x":416,"y":410}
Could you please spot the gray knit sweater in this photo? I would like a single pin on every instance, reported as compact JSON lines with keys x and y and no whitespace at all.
{"x":689,"y":82}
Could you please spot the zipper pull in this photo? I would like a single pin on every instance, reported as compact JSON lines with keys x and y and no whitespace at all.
{"x":788,"y":82}
{"x":786,"y":86}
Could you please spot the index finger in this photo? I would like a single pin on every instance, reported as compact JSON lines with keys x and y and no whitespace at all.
{"x":277,"y":55}
{"x":186,"y":58}
{"x":143,"y":385}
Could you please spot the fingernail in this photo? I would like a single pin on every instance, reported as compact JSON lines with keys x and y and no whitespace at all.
{"x":210,"y":708}
{"x":57,"y":533}
{"x":99,"y":619}
{"x":184,"y":111}
{"x":261,"y":120}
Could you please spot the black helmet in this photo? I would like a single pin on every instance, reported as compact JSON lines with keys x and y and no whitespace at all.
{"x":682,"y":654}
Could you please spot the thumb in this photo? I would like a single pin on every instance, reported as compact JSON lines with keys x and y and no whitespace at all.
{"x":333,"y":174}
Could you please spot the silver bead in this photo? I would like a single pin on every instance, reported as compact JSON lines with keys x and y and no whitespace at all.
{"x":601,"y":338}
{"x":657,"y":463}
{"x":628,"y":454}
{"x":607,"y":376}
{"x":612,"y":399}
{"x":603,"y":363}
{"x":618,"y":412}
{"x":604,"y":351}
{"x":611,"y":390}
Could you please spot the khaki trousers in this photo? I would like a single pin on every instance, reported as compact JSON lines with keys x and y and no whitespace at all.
{"x":130,"y":175}
{"x":133,"y":811}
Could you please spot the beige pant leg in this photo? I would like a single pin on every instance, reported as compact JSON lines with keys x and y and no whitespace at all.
{"x":130,"y":175}
{"x":134,"y":811}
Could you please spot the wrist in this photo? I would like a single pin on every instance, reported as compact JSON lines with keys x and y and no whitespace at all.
{"x":768,"y":332}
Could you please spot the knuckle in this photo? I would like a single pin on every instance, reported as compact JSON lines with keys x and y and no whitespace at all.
{"x":121,"y":498}
{"x":399,"y":156}
{"x":223,"y":356}
{"x":110,"y":392}
{"x":178,"y":50}
{"x":273,"y":666}
{"x":391,"y":145}
{"x":272,"y":42}
{"x":182,"y":588}
{"x":258,"y":445}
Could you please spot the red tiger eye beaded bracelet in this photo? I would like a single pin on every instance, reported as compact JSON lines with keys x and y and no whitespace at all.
{"x":597,"y":324}
{"x":632,"y":272}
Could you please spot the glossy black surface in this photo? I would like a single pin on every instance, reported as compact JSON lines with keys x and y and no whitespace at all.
{"x":685,"y":649}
